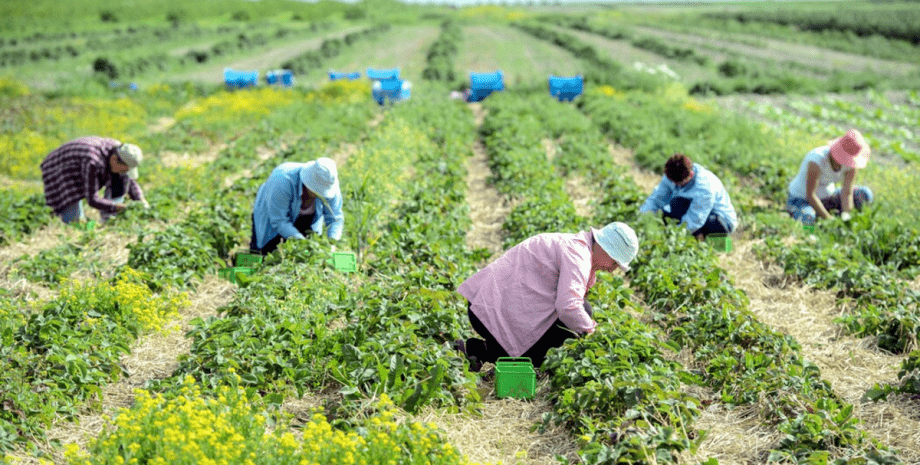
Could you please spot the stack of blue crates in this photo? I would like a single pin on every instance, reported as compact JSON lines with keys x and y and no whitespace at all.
{"x":566,"y":88}
{"x":483,"y":84}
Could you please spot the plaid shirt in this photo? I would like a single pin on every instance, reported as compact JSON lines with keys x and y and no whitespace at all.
{"x":78,"y":170}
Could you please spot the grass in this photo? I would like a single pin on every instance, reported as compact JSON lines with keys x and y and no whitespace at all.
{"x":522,"y":58}
{"x":403,"y":47}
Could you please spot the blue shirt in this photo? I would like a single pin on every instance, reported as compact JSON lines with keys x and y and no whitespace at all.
{"x":706,"y":193}
{"x":278,"y":205}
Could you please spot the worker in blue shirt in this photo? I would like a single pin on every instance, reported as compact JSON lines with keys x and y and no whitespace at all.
{"x":694,"y":196}
{"x":296,"y":200}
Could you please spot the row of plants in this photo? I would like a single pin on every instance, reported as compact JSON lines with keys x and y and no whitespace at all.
{"x":365,"y":334}
{"x":601,"y":69}
{"x":234,"y":424}
{"x":743,"y":361}
{"x":885,"y":129}
{"x":36,"y":20}
{"x":867,"y":263}
{"x":893,"y":22}
{"x":740,"y":74}
{"x":58,"y":355}
{"x":439,"y":64}
{"x":80,"y":336}
{"x":122,"y":65}
{"x":58,"y":46}
{"x":657,"y":125}
{"x":330,"y":48}
{"x":617,"y":390}
{"x":622,"y":32}
{"x":725,"y":27}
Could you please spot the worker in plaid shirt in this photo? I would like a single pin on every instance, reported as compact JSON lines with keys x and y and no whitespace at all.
{"x":78,"y":169}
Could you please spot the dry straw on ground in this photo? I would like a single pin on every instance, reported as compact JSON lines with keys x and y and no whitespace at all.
{"x":502,"y":431}
{"x":852,"y":366}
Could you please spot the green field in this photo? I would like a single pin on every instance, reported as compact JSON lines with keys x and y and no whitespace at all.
{"x":124,"y":344}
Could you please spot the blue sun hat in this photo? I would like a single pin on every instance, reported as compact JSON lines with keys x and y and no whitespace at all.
{"x":321,"y":177}
{"x":619,"y":241}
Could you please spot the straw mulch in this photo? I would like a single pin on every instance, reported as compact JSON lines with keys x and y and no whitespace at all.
{"x":646,"y":180}
{"x":851,"y":365}
{"x":488,"y":208}
{"x":502,"y":429}
{"x":153,"y":357}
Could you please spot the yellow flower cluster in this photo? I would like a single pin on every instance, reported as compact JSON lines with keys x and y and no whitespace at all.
{"x":129,"y":293}
{"x":610,"y":91}
{"x":231,"y":428}
{"x":341,"y":91}
{"x":697,"y":107}
{"x":233,"y":106}
{"x":152,"y":312}
{"x":54,"y":122}
{"x":12,"y":88}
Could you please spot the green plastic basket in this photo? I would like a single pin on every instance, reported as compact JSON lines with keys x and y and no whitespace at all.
{"x":515,"y":377}
{"x":810,"y":228}
{"x":720,"y":242}
{"x":248,"y":259}
{"x":87,"y":226}
{"x":233,"y":273}
{"x":344,"y":261}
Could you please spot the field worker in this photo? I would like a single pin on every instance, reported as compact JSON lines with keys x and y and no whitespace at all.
{"x":694,"y":196}
{"x":78,"y":169}
{"x":295,"y":201}
{"x":533,"y":297}
{"x":812,"y":193}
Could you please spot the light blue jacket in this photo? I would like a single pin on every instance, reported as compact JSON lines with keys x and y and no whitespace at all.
{"x":707,"y":195}
{"x":278,"y":205}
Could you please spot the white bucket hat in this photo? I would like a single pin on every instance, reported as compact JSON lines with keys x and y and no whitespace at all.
{"x":132,"y":156}
{"x":619,"y":241}
{"x":321,"y":176}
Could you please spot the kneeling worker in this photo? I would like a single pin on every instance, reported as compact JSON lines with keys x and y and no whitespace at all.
{"x":296,"y":200}
{"x":694,"y":196}
{"x":533,"y":297}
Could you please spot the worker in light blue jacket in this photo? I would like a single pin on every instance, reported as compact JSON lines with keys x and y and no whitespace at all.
{"x":694,"y":196}
{"x":296,"y":200}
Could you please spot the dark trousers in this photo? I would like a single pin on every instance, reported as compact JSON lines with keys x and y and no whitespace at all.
{"x":489,"y":350}
{"x":713,"y":225}
{"x":302,"y":224}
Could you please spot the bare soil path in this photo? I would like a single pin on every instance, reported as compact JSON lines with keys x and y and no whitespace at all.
{"x":488,"y":208}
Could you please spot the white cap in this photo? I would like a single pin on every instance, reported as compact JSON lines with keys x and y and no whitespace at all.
{"x":321,"y":176}
{"x":619,"y":241}
{"x":132,"y":156}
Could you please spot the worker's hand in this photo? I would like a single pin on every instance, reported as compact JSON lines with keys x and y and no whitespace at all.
{"x":333,"y":247}
{"x":146,"y":204}
{"x":845,"y":216}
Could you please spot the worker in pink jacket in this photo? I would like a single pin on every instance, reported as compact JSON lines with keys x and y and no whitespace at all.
{"x":533,"y":297}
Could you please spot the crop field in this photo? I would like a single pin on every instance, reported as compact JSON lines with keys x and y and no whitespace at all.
{"x":123,"y":344}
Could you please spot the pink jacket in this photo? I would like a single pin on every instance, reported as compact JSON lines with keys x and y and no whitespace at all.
{"x":519,"y":296}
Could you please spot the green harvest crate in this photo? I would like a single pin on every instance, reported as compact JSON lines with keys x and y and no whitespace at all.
{"x":344,"y":261}
{"x":232,"y":273}
{"x":248,"y":259}
{"x":515,"y":377}
{"x":809,"y":228}
{"x":720,"y":242}
{"x":87,"y":226}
